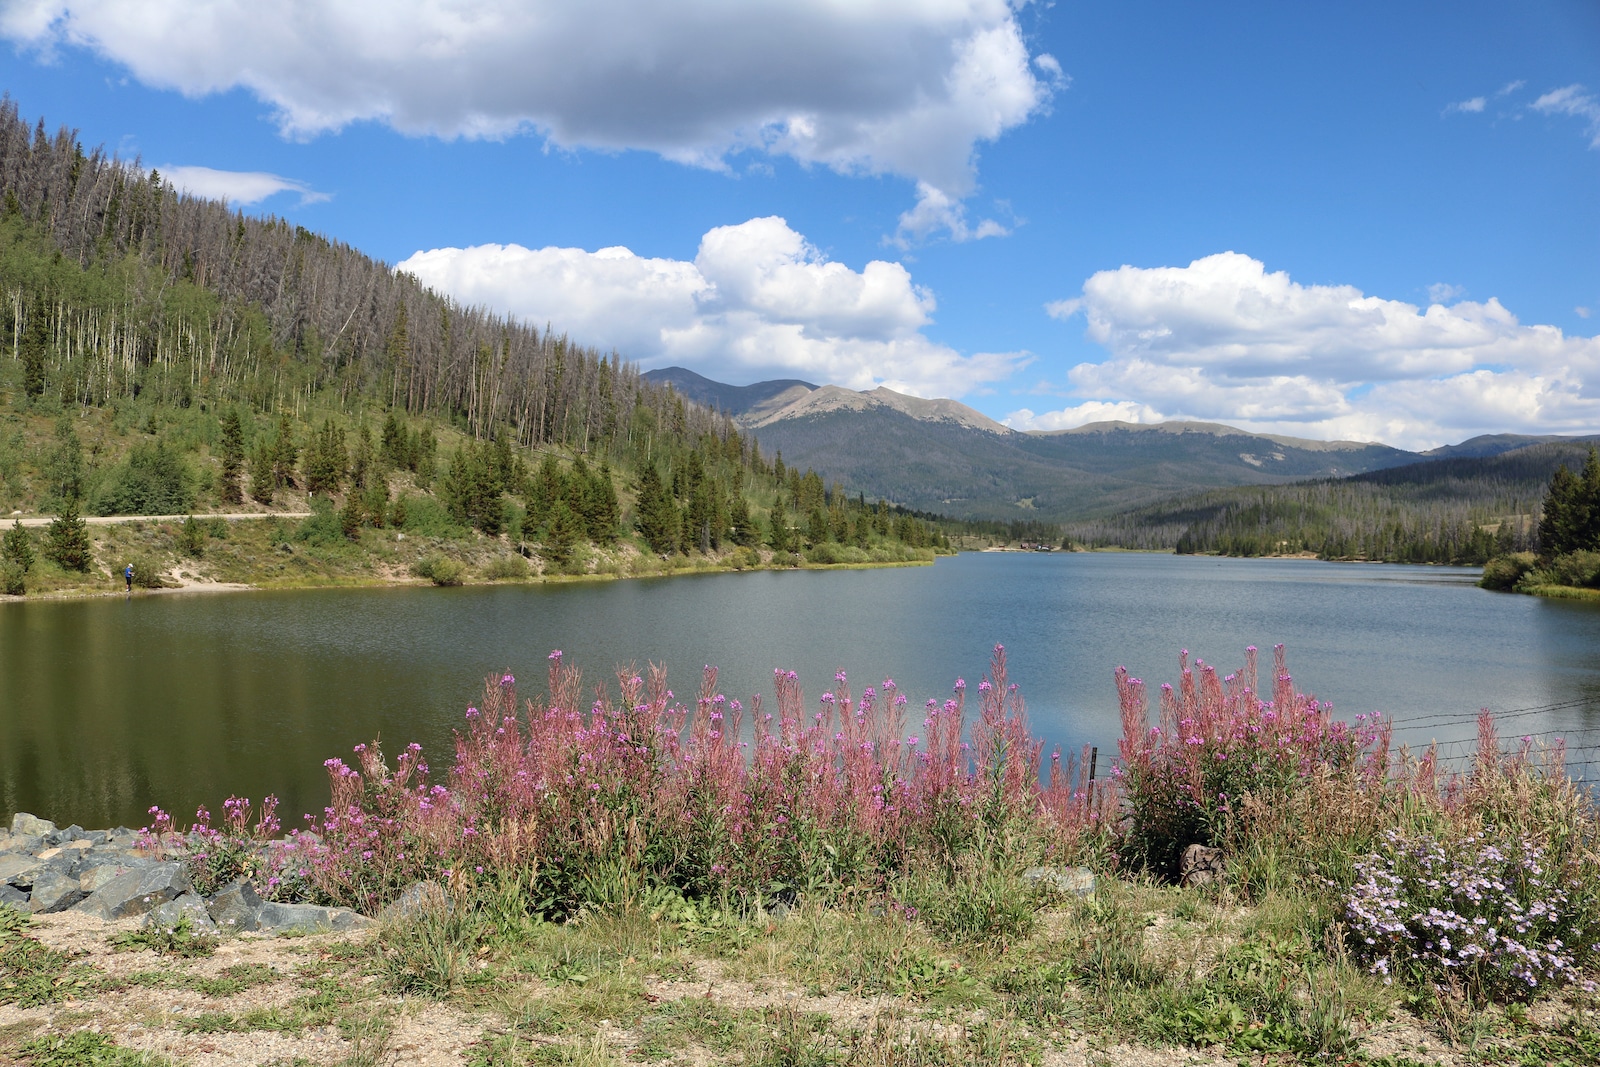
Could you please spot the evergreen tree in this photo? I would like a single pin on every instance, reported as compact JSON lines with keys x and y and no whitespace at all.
{"x":658,"y":515}
{"x":425,"y":458}
{"x":68,"y":541}
{"x":262,"y":480}
{"x":363,"y":460}
{"x":375,"y":503}
{"x":284,"y":454}
{"x":16,"y":549}
{"x":192,"y":538}
{"x":34,"y":347}
{"x":351,"y":516}
{"x":566,"y":529}
{"x":232,"y":457}
{"x":325,"y":459}
{"x":1566,"y":514}
{"x":1590,"y":492}
{"x":394,"y":445}
{"x":741,"y":530}
{"x":603,"y":507}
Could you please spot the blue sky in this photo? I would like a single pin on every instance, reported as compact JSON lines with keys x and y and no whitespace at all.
{"x":1360,"y":220}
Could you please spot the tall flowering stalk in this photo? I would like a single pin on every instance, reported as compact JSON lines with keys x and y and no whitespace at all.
{"x":1219,"y":740}
{"x":569,"y":794}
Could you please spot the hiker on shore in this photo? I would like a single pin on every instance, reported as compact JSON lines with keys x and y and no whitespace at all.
{"x":127,"y":576}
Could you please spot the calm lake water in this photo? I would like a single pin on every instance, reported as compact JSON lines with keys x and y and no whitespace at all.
{"x":108,"y":706}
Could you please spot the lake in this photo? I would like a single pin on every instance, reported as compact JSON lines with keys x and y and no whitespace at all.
{"x":110,"y":705}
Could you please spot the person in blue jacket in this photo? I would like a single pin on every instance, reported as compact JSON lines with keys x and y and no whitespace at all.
{"x":127,"y":576}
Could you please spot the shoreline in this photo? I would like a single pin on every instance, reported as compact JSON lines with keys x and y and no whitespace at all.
{"x":618,"y":564}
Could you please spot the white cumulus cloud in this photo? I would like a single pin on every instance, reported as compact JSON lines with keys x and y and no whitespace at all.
{"x":237,"y":186}
{"x":1472,"y":107}
{"x":757,"y":301}
{"x":906,"y":87}
{"x":1224,"y":339}
{"x":1577,"y":102}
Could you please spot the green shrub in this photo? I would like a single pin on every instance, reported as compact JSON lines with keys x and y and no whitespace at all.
{"x":424,"y":516}
{"x":324,"y":527}
{"x":153,"y":480}
{"x":13,"y":579}
{"x":744,"y":559}
{"x":503,"y":568}
{"x":1578,"y":569}
{"x":440,"y":570}
{"x":829,"y":552}
{"x":146,"y":575}
{"x":1503,"y":572}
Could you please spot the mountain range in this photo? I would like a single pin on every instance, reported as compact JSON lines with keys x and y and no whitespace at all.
{"x":942,"y":456}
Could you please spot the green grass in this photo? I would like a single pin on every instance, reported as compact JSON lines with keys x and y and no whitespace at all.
{"x":85,"y":1049}
{"x":180,"y":939}
{"x":32,"y":974}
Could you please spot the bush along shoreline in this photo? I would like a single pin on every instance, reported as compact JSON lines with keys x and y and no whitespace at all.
{"x":1567,"y":563}
{"x":1254,"y":874}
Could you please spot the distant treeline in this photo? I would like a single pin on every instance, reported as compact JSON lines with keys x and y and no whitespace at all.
{"x":1461,"y":511}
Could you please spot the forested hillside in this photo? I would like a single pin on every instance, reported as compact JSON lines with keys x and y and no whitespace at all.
{"x":1462,"y":510}
{"x":164,"y":353}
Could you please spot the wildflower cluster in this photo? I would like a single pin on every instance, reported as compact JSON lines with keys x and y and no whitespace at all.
{"x":567,"y":794}
{"x":216,"y":855}
{"x":1473,"y":911}
{"x":1217,"y":741}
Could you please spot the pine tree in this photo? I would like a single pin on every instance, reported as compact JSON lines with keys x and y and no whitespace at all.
{"x":658,"y":515}
{"x":262,"y":480}
{"x":325,"y":459}
{"x":741,"y":530}
{"x":34,"y":347}
{"x":284,"y":454}
{"x":1565,"y":518}
{"x":565,"y":531}
{"x":363,"y":460}
{"x":351,"y":516}
{"x":394,"y":445}
{"x":1589,"y":491}
{"x":603,"y":507}
{"x":68,"y":540}
{"x":16,"y":549}
{"x":232,"y":456}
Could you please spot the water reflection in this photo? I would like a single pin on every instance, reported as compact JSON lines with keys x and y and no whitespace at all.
{"x":108,"y":706}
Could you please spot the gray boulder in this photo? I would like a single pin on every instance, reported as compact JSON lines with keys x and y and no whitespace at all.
{"x":28,"y":825}
{"x":98,"y":876}
{"x":1200,"y":866}
{"x":136,"y":892}
{"x":184,"y":905}
{"x":235,"y":908}
{"x":308,"y":919}
{"x":1073,"y":881}
{"x":13,"y":896}
{"x":54,"y":891}
{"x":418,"y":896}
{"x":17,"y":868}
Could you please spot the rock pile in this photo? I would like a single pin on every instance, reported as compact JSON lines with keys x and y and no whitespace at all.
{"x":107,"y":873}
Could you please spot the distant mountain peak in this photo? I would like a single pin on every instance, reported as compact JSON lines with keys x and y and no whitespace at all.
{"x":1215,"y":429}
{"x":762,"y":404}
